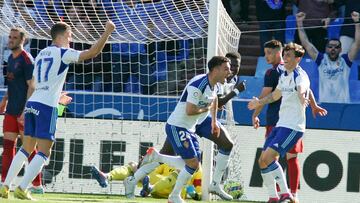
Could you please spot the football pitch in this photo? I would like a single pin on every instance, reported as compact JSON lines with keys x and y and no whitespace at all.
{"x":67,"y":198}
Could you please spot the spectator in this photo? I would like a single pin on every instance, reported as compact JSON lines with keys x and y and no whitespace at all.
{"x":318,"y":13}
{"x":334,"y":69}
{"x":237,"y":9}
{"x":271,"y":15}
{"x":348,"y":31}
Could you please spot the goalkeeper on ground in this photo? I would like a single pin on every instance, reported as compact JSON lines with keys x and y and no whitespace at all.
{"x":119,"y":173}
{"x":159,"y":183}
{"x":164,"y":179}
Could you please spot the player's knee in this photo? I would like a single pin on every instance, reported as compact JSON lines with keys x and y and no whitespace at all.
{"x":261,"y":162}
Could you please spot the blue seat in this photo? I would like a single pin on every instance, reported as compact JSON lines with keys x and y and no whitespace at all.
{"x":261,"y":67}
{"x":334,"y":28}
{"x":310,"y":67}
{"x":253,"y":87}
{"x":290,"y":28}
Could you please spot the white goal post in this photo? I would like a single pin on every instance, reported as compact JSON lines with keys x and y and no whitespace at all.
{"x":157,"y":47}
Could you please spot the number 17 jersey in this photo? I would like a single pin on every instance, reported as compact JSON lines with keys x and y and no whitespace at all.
{"x":51,"y":66}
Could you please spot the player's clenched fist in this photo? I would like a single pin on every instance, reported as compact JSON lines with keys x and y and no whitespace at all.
{"x":355,"y":16}
{"x":110,"y":26}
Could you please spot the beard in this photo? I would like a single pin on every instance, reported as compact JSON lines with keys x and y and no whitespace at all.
{"x":15,"y":48}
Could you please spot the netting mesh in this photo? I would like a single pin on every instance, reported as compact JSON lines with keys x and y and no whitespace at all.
{"x":157,"y":47}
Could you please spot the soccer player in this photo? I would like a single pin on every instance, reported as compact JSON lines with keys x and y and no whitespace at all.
{"x":293,"y":87}
{"x":159,"y":183}
{"x":20,"y":87}
{"x":334,"y":70}
{"x":51,"y":66}
{"x":230,"y":89}
{"x":273,"y":51}
{"x":223,"y":141}
{"x":192,"y":114}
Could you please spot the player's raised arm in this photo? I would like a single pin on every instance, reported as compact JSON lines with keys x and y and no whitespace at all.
{"x":96,"y":48}
{"x":256,"y":103}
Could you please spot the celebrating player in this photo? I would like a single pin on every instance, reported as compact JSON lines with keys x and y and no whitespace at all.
{"x":273,"y":51}
{"x":203,"y":129}
{"x":293,"y":87}
{"x":191,"y":114}
{"x":51,"y":66}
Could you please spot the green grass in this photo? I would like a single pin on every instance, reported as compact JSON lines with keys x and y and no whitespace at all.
{"x":87,"y":198}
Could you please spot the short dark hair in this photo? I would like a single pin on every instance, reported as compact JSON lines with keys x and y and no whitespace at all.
{"x":21,"y":31}
{"x":233,"y":55}
{"x":299,"y":51}
{"x":59,"y":28}
{"x":273,"y":44}
{"x":333,"y":39}
{"x":217,"y":61}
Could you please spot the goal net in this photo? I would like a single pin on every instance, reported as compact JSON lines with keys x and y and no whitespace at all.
{"x":121,"y":98}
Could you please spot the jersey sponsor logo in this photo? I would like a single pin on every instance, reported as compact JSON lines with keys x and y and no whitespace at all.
{"x":31,"y":110}
{"x":203,"y":104}
{"x":45,"y":88}
{"x":332,"y":73}
{"x":286,"y":89}
{"x":186,"y":144}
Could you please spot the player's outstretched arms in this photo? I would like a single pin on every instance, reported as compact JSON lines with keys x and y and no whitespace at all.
{"x":96,"y":48}
{"x":239,"y":87}
{"x":315,"y":108}
{"x":256,"y":103}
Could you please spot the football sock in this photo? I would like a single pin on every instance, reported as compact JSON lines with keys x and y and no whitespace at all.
{"x":294,"y":174}
{"x":222,"y":161}
{"x":7,"y":156}
{"x":33,"y":169}
{"x":184,"y":175}
{"x":16,"y":165}
{"x":37,"y":180}
{"x":145,"y":170}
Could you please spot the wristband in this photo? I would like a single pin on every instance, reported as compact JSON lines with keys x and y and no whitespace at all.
{"x":61,"y":109}
{"x":236,"y":91}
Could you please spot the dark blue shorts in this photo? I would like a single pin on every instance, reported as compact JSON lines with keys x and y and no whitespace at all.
{"x":204,"y":128}
{"x":282,"y":139}
{"x":184,"y":142}
{"x":40,"y":121}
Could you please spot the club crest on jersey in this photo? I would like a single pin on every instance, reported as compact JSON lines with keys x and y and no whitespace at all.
{"x":186,"y":144}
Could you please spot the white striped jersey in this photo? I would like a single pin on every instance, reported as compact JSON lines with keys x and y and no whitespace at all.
{"x":199,"y":92}
{"x":51,"y":66}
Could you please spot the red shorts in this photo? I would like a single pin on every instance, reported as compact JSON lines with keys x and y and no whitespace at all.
{"x":11,"y":124}
{"x":298,"y":147}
